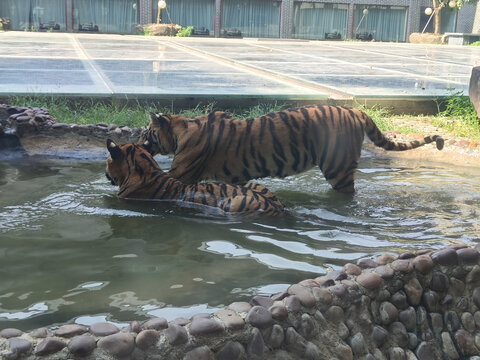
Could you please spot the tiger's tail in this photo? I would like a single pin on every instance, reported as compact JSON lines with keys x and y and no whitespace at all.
{"x":382,"y":141}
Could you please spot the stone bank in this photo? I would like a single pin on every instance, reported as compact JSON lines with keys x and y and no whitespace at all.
{"x":420,"y":305}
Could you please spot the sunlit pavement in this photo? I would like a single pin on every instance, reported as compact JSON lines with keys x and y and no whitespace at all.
{"x":128,"y":66}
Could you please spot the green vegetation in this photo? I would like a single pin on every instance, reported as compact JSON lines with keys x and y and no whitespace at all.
{"x":476,"y":43}
{"x":459,"y":118}
{"x":185,"y":31}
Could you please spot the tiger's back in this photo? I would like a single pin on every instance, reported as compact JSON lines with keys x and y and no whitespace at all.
{"x":137,"y":174}
{"x":276,"y":144}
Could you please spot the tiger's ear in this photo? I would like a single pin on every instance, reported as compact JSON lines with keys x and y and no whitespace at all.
{"x":113,"y":149}
{"x":159,"y":120}
{"x":147,"y":145}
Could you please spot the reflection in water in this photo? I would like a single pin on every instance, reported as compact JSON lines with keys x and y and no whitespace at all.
{"x":70,"y":251}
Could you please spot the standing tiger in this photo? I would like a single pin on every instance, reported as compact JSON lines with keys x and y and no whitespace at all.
{"x":134,"y":170}
{"x":278,"y":144}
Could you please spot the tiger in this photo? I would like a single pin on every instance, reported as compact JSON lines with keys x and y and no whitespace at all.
{"x":133,"y":169}
{"x":278,"y":144}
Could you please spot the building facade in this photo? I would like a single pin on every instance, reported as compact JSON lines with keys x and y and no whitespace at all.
{"x":379,"y":20}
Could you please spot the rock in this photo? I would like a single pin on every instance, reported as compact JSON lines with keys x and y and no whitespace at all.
{"x":448,"y":347}
{"x":156,"y":324}
{"x":147,"y":338}
{"x":352,"y":269}
{"x":404,"y":266}
{"x":10,"y":332}
{"x":264,"y":301}
{"x":431,"y":300}
{"x":385,"y":259}
{"x":338,"y":290}
{"x":231,"y":319}
{"x":379,"y":335}
{"x":473,"y":276}
{"x":407,"y":255}
{"x":312,"y":352}
{"x":366,"y":263}
{"x":336,"y":275}
{"x":70,"y":330}
{"x":468,"y":255}
{"x":119,"y":344}
{"x":369,"y":281}
{"x":256,"y":345}
{"x":181,"y":321}
{"x":476,"y":297}
{"x":307,"y":326}
{"x":276,"y":336}
{"x":408,"y":317}
{"x":103,"y":329}
{"x":436,"y":320}
{"x":414,"y":291}
{"x":396,"y":353}
{"x":323,"y":296}
{"x":358,"y":345}
{"x":466,"y":343}
{"x":474,"y":89}
{"x":134,"y":326}
{"x":399,"y":299}
{"x":19,"y":346}
{"x":279,"y":312}
{"x":439,"y":282}
{"x":240,"y":306}
{"x":200,"y":353}
{"x":292,"y":303}
{"x":388,"y":313}
{"x":259,"y":317}
{"x":176,"y":334}
{"x":468,"y":322}
{"x":233,"y":350}
{"x":425,"y":352}
{"x":304,"y":294}
{"x":335,"y":314}
{"x":385,"y":272}
{"x":40,"y":333}
{"x":398,"y":333}
{"x":82,"y":345}
{"x":445,"y":257}
{"x":412,"y":340}
{"x":49,"y":346}
{"x":451,"y":320}
{"x":203,"y":326}
{"x":423,"y":264}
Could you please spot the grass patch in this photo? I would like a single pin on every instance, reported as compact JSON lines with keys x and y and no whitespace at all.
{"x":385,"y":121}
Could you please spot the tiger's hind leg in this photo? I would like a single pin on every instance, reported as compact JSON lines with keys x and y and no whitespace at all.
{"x":343,"y":178}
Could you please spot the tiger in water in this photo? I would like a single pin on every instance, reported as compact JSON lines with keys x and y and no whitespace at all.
{"x":219,"y":147}
{"x":134,"y":170}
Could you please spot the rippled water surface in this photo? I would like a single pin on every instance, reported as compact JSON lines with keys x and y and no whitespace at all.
{"x":70,"y":251}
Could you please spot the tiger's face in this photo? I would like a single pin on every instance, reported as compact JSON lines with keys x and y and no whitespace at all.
{"x":117,"y":167}
{"x":157,"y":138}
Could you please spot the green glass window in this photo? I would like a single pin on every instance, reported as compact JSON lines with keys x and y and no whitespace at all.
{"x":37,"y":15}
{"x":319,"y":21}
{"x":380,"y":23}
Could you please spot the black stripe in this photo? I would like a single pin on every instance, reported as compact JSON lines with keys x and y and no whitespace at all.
{"x":276,"y":144}
{"x":242,"y":204}
{"x":296,"y":157}
{"x":279,"y":165}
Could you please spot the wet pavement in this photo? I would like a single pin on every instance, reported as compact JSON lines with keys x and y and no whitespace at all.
{"x":128,"y":66}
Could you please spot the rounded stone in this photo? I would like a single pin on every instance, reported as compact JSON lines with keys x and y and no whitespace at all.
{"x":307,"y":326}
{"x":439,"y":282}
{"x":431,"y":300}
{"x":388,"y":313}
{"x":406,"y":255}
{"x":473,"y":276}
{"x":199,"y":353}
{"x":231,"y":319}
{"x":240,"y":306}
{"x":335,"y":314}
{"x":465,"y":343}
{"x":476,"y":297}
{"x":19,"y":346}
{"x":451,"y":320}
{"x":468,"y":255}
{"x":408,"y":317}
{"x":425,"y":352}
{"x":336,"y":275}
{"x":413,"y":290}
{"x":385,"y":259}
{"x":338,"y":290}
{"x":423,"y":264}
{"x":259,"y":317}
{"x":379,"y":335}
{"x":292,"y":303}
{"x":386,"y":272}
{"x":369,"y":280}
{"x":40,"y":333}
{"x":436,"y":320}
{"x":412,"y":340}
{"x":396,"y":353}
{"x":181,"y":321}
{"x":10,"y":332}
{"x":264,"y":301}
{"x":70,"y":330}
{"x":468,"y":322}
{"x":103,"y":329}
{"x":176,"y":334}
{"x":49,"y":346}
{"x":156,"y":324}
{"x":312,"y":351}
{"x":399,"y":299}
{"x":398,"y":333}
{"x":404,"y":266}
{"x":119,"y":344}
{"x":279,"y":312}
{"x":277,"y":336}
{"x":82,"y":345}
{"x":352,"y":269}
{"x":311,"y":283}
{"x":303,"y":293}
{"x":256,"y":345}
{"x":448,"y":347}
{"x":446,"y":257}
{"x":366,"y":263}
{"x":323,"y":296}
{"x":147,"y":338}
{"x":204,"y":326}
{"x":358,"y":345}
{"x":134,"y":326}
{"x":233,"y":350}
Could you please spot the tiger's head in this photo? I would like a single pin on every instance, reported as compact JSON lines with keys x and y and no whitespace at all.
{"x":158,"y":136}
{"x":128,"y":162}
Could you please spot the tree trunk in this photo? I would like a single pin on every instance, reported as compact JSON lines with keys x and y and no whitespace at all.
{"x":437,"y":20}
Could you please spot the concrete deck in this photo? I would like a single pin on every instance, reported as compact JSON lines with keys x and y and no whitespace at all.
{"x":222,"y":70}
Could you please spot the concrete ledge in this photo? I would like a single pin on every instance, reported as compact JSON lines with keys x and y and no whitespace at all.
{"x":461,"y":38}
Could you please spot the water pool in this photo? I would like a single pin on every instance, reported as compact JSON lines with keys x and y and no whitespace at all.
{"x":70,"y":251}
